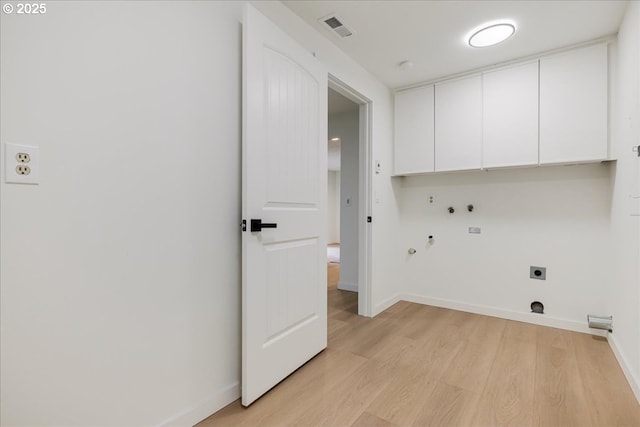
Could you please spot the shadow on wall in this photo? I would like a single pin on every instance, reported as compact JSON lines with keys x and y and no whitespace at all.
{"x":561,"y":192}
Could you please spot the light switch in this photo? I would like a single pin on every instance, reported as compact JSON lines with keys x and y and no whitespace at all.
{"x":634,"y":203}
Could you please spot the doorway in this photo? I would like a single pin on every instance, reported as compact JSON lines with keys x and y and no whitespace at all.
{"x":348,"y":193}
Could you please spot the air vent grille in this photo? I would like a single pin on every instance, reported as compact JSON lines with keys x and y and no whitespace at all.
{"x":333,"y":22}
{"x":335,"y":25}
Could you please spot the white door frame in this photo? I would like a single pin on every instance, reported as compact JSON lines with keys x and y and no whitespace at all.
{"x":364,"y":191}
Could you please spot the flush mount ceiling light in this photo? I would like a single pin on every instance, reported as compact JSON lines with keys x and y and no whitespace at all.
{"x":491,"y":33}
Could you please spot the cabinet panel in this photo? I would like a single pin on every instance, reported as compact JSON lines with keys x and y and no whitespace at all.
{"x":510,"y":116}
{"x":573,"y":106}
{"x":413,"y":143}
{"x":458,"y":122}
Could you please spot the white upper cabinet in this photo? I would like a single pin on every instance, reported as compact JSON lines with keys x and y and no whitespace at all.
{"x":458,"y":121}
{"x":510,"y":116}
{"x":413,"y":148}
{"x":551,"y":111}
{"x":573,"y":106}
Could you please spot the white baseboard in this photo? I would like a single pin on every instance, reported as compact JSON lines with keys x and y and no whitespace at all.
{"x":385,"y":304}
{"x":346,"y":286}
{"x":203,"y":409}
{"x":622,"y":361}
{"x":536,"y":319}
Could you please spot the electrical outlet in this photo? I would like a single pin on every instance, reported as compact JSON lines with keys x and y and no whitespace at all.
{"x":23,"y":170}
{"x":23,"y":157}
{"x":431,"y":199}
{"x":21,"y":164}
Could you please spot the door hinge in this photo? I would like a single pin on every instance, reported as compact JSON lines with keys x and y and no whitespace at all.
{"x":244,"y":225}
{"x":369,"y":219}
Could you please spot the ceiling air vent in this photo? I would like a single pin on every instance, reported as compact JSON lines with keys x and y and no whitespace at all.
{"x":333,"y":23}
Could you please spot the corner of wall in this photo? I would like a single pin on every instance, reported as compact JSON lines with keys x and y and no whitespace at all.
{"x":205,"y":408}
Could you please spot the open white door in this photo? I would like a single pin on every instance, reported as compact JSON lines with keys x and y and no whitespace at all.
{"x":284,"y":155}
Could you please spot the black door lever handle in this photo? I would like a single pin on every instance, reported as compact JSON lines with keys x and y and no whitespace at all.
{"x":258,"y":225}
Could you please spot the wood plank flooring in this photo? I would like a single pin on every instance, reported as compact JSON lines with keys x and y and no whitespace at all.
{"x":416,"y":365}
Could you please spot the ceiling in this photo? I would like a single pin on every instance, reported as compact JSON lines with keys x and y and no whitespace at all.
{"x":431,"y":34}
{"x":339,"y":104}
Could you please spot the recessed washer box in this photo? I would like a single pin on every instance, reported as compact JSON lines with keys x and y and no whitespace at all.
{"x":538,"y":273}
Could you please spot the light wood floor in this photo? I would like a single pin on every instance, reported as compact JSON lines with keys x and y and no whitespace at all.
{"x":416,"y":365}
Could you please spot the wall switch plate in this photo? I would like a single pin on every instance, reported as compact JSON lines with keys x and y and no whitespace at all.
{"x":634,"y":205}
{"x":474,"y":230}
{"x":538,"y":273}
{"x":21,"y":164}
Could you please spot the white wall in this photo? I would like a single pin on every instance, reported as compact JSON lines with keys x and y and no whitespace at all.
{"x":346,"y":127}
{"x":623,"y":289}
{"x":333,"y":206}
{"x":554,"y":217}
{"x":120,"y":272}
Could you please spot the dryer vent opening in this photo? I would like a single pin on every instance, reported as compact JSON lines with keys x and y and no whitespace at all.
{"x":537,"y":307}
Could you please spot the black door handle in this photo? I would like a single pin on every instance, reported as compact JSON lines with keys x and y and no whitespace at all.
{"x":258,"y":225}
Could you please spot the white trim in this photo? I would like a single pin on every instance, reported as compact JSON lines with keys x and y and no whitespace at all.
{"x":346,"y":286}
{"x":536,"y":319}
{"x":622,"y":361}
{"x":205,"y":408}
{"x":386,"y":304}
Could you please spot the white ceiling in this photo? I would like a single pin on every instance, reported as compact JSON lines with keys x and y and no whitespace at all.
{"x":431,"y":33}
{"x":339,"y":104}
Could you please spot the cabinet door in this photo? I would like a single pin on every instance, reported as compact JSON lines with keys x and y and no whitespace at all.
{"x":458,"y":139}
{"x":510,"y":117}
{"x":573,"y":106}
{"x":413,"y":143}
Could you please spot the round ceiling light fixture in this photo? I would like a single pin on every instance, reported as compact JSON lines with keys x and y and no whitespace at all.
{"x":491,"y":34}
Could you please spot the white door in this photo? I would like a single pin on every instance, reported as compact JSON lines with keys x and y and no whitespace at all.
{"x":414,"y":130}
{"x":458,"y":122}
{"x":510,"y":116}
{"x":574,"y":106}
{"x":284,"y":182}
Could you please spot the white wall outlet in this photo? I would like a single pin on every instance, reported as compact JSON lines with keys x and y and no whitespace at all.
{"x":21,"y":164}
{"x":431,"y":199}
{"x":23,"y":170}
{"x":378,"y":166}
